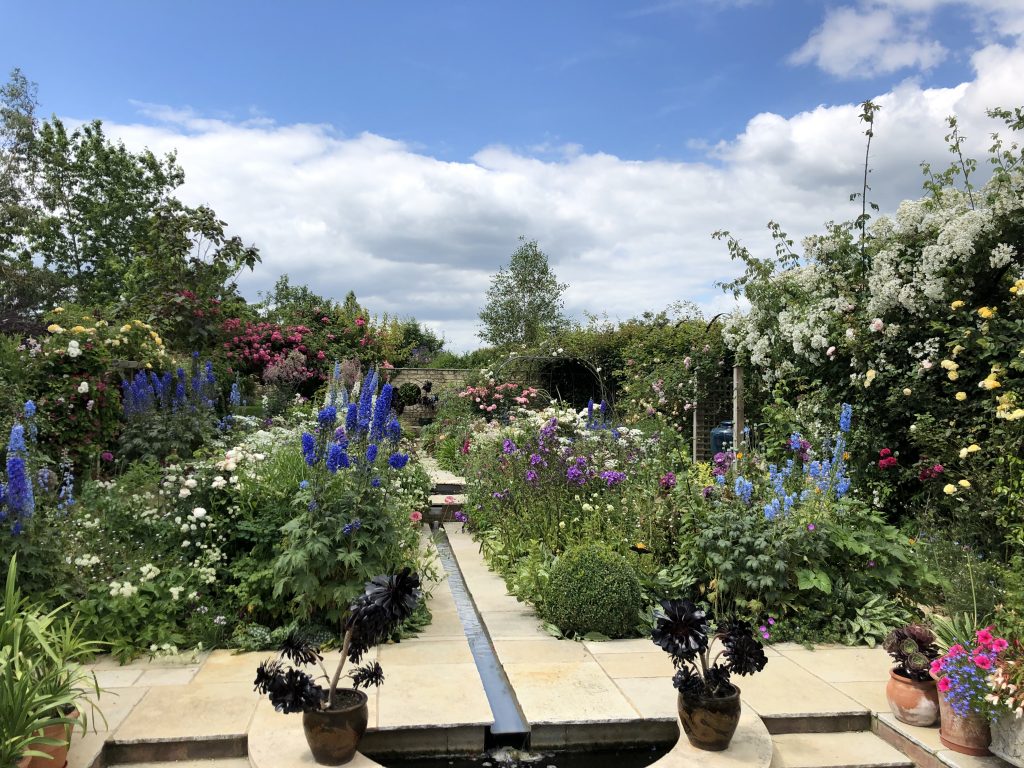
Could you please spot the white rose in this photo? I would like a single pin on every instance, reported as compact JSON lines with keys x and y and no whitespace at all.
{"x":83,"y":388}
{"x":191,"y":483}
{"x":184,"y":493}
{"x":198,"y":512}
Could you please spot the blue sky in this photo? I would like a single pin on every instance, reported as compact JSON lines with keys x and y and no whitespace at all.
{"x":457,"y":119}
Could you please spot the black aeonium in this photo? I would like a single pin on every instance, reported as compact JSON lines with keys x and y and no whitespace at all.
{"x":682,"y":629}
{"x":385,"y":603}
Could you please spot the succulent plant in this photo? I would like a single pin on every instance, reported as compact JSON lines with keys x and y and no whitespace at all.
{"x":913,"y":649}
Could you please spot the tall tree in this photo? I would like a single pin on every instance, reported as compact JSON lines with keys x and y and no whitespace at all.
{"x":524,"y":302}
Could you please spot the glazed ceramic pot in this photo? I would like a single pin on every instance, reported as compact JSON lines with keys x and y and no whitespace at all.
{"x":333,"y":734}
{"x":709,"y":723}
{"x":912,"y":701}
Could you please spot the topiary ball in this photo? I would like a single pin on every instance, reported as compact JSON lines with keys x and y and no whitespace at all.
{"x":592,"y":589}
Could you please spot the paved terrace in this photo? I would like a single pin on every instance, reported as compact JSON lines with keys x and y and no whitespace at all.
{"x":822,"y":707}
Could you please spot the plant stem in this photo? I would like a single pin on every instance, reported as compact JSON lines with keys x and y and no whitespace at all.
{"x":333,"y":692}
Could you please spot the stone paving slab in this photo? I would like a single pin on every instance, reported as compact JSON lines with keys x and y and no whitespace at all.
{"x":584,"y":693}
{"x":177,"y":712}
{"x":836,"y":750}
{"x":843,"y":665}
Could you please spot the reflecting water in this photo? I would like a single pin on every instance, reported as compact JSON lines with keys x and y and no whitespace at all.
{"x":512,"y":758}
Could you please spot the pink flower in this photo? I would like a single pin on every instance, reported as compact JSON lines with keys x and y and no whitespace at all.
{"x":955,"y":650}
{"x":415,"y":516}
{"x":983,"y":661}
{"x":999,"y":645}
{"x":944,"y":684}
{"x":985,"y":637}
{"x":936,"y":667}
{"x":360,"y":322}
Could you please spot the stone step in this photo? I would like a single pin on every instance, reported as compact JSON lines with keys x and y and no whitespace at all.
{"x":230,"y":762}
{"x":448,"y":488}
{"x":451,"y":501}
{"x":857,"y":749}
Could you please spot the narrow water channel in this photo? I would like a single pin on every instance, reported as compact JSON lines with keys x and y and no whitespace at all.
{"x":510,"y":728}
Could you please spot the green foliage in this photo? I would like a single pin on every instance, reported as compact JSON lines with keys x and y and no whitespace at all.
{"x":592,"y":589}
{"x":524,"y":302}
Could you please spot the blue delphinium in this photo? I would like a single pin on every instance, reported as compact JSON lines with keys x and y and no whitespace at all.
{"x":327,"y":417}
{"x":398,"y":460}
{"x":381,"y":413}
{"x":235,"y":398}
{"x":351,"y":418}
{"x":371,"y":453}
{"x":309,"y":452}
{"x":743,"y":488}
{"x":19,"y":497}
{"x":334,"y":454}
{"x":393,"y":431}
{"x":845,"y":415}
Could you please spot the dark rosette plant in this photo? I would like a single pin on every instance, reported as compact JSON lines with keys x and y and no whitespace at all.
{"x":913,"y":648}
{"x":385,"y":603}
{"x":682,"y":630}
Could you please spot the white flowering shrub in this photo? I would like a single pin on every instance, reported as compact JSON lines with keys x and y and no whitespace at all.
{"x":919,"y":323}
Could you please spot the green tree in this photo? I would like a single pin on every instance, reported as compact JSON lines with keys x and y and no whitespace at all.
{"x":524,"y":302}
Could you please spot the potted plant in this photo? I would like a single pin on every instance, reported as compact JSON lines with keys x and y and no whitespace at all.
{"x":334,"y":719}
{"x":1006,"y":684}
{"x":26,"y":713}
{"x":962,"y":678}
{"x":708,"y":702}
{"x":911,"y":690}
{"x":45,"y":651}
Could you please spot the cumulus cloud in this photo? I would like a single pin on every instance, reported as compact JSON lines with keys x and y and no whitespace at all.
{"x":878,"y":37}
{"x":415,"y":235}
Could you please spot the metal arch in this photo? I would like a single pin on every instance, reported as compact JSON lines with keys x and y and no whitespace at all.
{"x":537,"y":360}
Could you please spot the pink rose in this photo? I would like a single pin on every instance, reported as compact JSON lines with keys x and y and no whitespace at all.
{"x":415,"y":516}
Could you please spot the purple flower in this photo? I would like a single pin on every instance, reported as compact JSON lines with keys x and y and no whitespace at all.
{"x":106,"y":456}
{"x":575,"y":475}
{"x":536,"y":459}
{"x":531,"y":476}
{"x":509,"y":447}
{"x":667,"y":481}
{"x":707,"y":490}
{"x":810,"y":526}
{"x":613,"y":478}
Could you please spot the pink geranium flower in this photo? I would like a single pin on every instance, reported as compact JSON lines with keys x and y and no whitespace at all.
{"x":944,"y":684}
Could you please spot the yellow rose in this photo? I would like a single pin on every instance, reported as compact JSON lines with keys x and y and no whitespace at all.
{"x":54,"y":328}
{"x":907,"y":391}
{"x":963,"y":453}
{"x":973,"y":448}
{"x":149,"y":365}
{"x":869,"y":377}
{"x":78,"y":329}
{"x":956,"y":304}
{"x":58,"y":310}
{"x":964,"y":483}
{"x":949,"y":490}
{"x":949,"y":365}
{"x":986,"y":312}
{"x":957,"y":350}
{"x":953,"y":375}
{"x":961,"y":396}
{"x":126,"y":327}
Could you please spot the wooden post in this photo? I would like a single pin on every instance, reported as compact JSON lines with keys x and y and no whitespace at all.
{"x":695,"y":420}
{"x":737,"y":404}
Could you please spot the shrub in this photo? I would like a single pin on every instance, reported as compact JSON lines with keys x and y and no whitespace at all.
{"x":593,"y":589}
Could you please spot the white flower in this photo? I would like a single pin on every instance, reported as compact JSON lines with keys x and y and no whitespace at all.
{"x":926,"y":364}
{"x":176,"y":592}
{"x":83,"y":388}
{"x":73,"y":350}
{"x":184,"y":493}
{"x":850,"y":333}
{"x":191,"y":483}
{"x":198,"y":513}
{"x":149,"y":572}
{"x":830,"y":351}
{"x":218,"y":482}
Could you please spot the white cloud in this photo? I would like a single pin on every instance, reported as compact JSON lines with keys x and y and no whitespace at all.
{"x":416,"y":235}
{"x":856,"y":42}
{"x":877,"y":37}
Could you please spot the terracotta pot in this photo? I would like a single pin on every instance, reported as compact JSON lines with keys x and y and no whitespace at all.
{"x":967,"y":735}
{"x":333,"y":735}
{"x":709,"y":723}
{"x":911,"y":701}
{"x":1008,"y":738}
{"x":58,"y":754}
{"x":24,"y":762}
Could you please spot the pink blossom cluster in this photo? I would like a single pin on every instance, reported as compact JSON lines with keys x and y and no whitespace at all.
{"x":489,"y":397}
